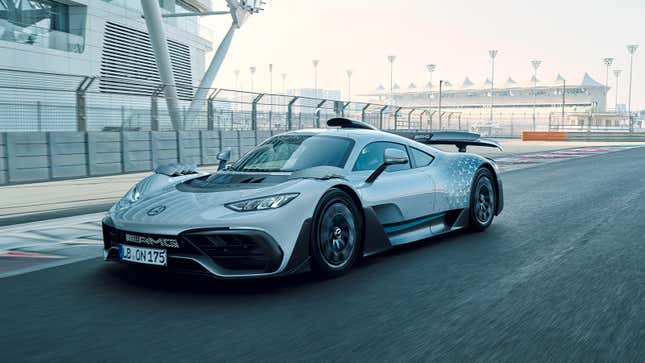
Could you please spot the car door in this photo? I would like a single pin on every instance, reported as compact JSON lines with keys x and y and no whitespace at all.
{"x":401,"y":193}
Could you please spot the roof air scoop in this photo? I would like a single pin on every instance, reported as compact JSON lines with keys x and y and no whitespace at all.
{"x":346,"y":123}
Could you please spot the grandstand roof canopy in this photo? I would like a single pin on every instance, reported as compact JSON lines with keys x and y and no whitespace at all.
{"x":467,"y":83}
{"x":590,"y":82}
{"x":510,"y":83}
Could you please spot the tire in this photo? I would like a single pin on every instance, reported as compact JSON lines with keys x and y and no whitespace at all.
{"x":483,"y":199}
{"x":336,"y":234}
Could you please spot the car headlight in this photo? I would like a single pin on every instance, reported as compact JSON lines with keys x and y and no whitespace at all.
{"x":132,"y":196}
{"x":270,"y":202}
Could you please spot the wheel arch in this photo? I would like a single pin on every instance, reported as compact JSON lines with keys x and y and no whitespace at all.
{"x":352,"y":193}
{"x":359,"y":205}
{"x":499,"y":198}
{"x":374,"y":238}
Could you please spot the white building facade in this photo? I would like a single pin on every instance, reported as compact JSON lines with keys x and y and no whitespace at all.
{"x":102,"y":39}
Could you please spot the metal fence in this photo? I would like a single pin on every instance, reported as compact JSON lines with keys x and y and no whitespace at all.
{"x":37,"y":101}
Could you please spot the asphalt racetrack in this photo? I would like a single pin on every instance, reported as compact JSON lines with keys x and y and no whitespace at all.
{"x":560,"y":276}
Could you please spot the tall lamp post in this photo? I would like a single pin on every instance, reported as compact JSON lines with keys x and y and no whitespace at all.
{"x":631,"y":48}
{"x":349,"y":73}
{"x":315,"y":63}
{"x":391,"y":59}
{"x":440,"y":89}
{"x":271,"y":98}
{"x":237,"y":87}
{"x":617,"y":73}
{"x":252,"y":70}
{"x":535,"y":64}
{"x":492,"y":53}
{"x":431,"y":68}
{"x":284,"y":83}
{"x":271,"y":78}
{"x":608,"y":62}
{"x":564,"y":100}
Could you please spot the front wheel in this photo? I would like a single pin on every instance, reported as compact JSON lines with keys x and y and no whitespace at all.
{"x":482,"y":200}
{"x":336,"y":234}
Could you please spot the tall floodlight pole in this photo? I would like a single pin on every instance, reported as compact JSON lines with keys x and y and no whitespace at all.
{"x":284,"y":83}
{"x":631,"y":48}
{"x":617,"y":73}
{"x":252,"y":71}
{"x":271,"y":93}
{"x":492,"y":53}
{"x":440,"y":89}
{"x":564,"y":100}
{"x":535,"y":64}
{"x":431,"y":68}
{"x":315,"y":63}
{"x":349,"y":73}
{"x":239,"y":11}
{"x":156,"y":29}
{"x":237,"y":87}
{"x":271,"y":78}
{"x":391,"y":59}
{"x":608,"y":62}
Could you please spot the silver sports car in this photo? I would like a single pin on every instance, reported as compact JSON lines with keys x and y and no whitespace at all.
{"x":305,"y":200}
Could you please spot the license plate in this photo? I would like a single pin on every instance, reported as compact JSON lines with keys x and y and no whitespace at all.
{"x":150,"y":256}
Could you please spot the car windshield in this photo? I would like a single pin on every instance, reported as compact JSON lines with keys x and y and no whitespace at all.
{"x":296,"y":152}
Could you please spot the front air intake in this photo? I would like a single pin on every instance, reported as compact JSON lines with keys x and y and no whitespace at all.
{"x":243,"y":250}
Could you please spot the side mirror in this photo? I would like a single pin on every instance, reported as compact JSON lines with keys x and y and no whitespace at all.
{"x":391,"y":156}
{"x":395,"y":157}
{"x":223,"y":158}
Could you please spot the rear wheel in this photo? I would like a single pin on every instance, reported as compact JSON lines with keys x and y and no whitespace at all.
{"x":336,"y":234}
{"x":482,"y":200}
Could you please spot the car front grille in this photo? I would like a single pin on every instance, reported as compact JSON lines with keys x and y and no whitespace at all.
{"x":238,"y":251}
{"x":232,"y":251}
{"x":113,"y":237}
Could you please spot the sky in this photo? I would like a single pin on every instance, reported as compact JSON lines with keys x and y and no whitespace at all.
{"x":570,"y":37}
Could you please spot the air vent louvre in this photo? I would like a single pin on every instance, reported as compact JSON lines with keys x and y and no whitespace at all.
{"x":128,"y":64}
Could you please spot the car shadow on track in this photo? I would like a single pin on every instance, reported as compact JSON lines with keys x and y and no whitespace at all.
{"x":155,"y":279}
{"x":144,"y":277}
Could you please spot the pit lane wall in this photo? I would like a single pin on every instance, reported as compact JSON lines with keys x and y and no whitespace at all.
{"x":27,"y":157}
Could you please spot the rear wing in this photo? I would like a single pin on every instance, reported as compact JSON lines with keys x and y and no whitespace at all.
{"x":458,"y":138}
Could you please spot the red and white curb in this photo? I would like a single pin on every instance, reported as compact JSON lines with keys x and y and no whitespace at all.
{"x":38,"y":245}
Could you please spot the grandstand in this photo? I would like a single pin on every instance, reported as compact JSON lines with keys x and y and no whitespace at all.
{"x":469,"y":103}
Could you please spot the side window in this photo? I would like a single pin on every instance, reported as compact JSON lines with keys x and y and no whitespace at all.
{"x":421,"y":158}
{"x":371,"y":157}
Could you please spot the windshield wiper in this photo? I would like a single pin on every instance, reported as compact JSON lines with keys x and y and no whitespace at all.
{"x":259,"y":170}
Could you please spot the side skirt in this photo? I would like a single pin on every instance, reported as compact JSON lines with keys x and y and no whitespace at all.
{"x":426,"y":226}
{"x":380,"y":238}
{"x":376,"y":240}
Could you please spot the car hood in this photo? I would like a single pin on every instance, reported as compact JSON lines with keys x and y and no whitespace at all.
{"x":198,"y":202}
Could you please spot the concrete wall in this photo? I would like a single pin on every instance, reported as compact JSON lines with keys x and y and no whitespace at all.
{"x":606,"y":136}
{"x":39,"y":156}
{"x":583,"y":136}
{"x":3,"y":160}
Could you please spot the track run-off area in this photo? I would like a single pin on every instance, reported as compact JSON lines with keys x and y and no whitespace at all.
{"x":558,"y":276}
